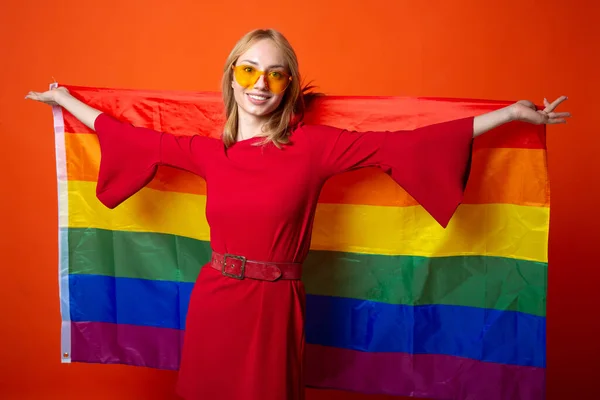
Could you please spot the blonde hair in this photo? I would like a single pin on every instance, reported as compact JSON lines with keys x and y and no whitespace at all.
{"x":292,"y":107}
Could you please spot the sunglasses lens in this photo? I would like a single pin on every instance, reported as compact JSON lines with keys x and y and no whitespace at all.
{"x":246,"y":75}
{"x":277,"y":81}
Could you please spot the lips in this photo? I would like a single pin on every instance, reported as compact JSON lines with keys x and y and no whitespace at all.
{"x":258,"y":99}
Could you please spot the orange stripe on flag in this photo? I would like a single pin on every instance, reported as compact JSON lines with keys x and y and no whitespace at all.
{"x":512,"y":176}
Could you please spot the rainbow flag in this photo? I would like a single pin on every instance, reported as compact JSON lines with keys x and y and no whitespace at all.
{"x":395,"y":303}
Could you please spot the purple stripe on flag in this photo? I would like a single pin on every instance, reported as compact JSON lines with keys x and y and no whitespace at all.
{"x":421,"y":375}
{"x":106,"y":343}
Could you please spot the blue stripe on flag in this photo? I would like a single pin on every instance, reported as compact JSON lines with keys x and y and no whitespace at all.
{"x":478,"y":333}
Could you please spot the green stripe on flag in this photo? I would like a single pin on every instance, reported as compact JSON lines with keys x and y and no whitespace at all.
{"x":475,"y":281}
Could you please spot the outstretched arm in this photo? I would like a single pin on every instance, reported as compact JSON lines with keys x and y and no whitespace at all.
{"x":522,"y":110}
{"x":432,"y":163}
{"x":131,"y":155}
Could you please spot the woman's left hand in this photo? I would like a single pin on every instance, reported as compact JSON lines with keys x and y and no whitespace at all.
{"x":526,"y":111}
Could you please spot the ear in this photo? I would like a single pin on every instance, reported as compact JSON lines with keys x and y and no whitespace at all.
{"x":232,"y":77}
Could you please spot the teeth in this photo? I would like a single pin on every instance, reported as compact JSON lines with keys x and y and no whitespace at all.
{"x":258,"y":97}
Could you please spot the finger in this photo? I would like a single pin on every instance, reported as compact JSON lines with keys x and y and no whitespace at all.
{"x":557,"y":121}
{"x":559,"y":114}
{"x":555,"y":104}
{"x":546,"y":103}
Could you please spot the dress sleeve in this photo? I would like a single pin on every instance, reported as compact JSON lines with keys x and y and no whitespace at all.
{"x":130,"y":157}
{"x":431,"y":163}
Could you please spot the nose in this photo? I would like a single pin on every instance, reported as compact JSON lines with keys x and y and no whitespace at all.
{"x":261,"y":83}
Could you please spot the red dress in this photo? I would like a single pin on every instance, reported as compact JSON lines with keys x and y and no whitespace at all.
{"x":245,"y":338}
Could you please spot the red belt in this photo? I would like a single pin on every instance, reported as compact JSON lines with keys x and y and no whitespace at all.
{"x":239,"y":267}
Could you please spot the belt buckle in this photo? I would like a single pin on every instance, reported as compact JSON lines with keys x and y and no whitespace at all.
{"x":239,"y":276}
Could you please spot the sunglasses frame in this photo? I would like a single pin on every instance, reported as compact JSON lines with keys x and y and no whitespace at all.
{"x":262,"y":73}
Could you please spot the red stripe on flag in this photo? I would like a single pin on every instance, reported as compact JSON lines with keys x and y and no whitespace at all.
{"x":202,"y":113}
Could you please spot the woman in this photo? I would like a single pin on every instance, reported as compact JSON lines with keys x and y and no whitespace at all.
{"x":245,"y":322}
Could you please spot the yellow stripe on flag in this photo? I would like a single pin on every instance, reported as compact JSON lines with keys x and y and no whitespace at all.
{"x":503,"y":230}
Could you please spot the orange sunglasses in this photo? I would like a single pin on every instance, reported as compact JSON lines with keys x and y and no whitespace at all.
{"x":247,"y":76}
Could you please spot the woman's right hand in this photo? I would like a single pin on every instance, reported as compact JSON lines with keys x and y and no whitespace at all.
{"x":62,"y":97}
{"x":48,"y":97}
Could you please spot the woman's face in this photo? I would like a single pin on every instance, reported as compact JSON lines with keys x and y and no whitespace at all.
{"x":260,"y":97}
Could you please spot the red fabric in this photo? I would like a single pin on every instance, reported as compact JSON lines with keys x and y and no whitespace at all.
{"x":245,"y":339}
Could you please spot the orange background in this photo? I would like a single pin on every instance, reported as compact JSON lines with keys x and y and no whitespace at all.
{"x":504,"y":50}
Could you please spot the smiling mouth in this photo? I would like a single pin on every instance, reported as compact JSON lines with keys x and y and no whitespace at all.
{"x":258,"y":97}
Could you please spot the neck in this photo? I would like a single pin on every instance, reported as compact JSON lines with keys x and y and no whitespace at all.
{"x":249,"y":126}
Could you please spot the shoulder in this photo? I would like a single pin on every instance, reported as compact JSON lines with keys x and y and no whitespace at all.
{"x":208,"y":140}
{"x":314,"y":132}
{"x":207,"y":145}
